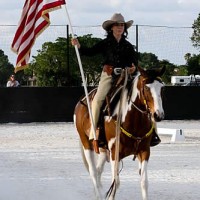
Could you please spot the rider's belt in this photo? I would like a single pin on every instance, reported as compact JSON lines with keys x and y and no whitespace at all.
{"x":117,"y":71}
{"x":108,"y":69}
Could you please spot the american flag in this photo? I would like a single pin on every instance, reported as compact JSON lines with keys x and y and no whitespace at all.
{"x":34,"y":20}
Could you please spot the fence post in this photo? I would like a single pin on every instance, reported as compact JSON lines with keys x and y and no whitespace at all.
{"x":68,"y":49}
{"x":137,"y":38}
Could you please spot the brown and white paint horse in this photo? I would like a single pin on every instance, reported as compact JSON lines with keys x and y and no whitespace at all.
{"x":141,"y":108}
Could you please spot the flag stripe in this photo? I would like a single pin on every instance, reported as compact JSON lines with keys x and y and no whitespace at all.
{"x":52,"y":5}
{"x":24,"y":26}
{"x":34,"y":19}
{"x":18,"y":34}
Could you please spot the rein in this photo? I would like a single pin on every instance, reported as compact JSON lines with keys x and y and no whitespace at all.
{"x":117,"y":141}
{"x":142,"y":111}
{"x":118,"y":125}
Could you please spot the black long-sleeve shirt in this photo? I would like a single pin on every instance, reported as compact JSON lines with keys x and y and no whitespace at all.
{"x":117,"y":54}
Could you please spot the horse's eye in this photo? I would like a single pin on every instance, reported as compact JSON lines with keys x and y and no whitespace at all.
{"x":146,"y":88}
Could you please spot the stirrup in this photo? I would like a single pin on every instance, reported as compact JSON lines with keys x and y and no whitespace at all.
{"x":155,"y":140}
{"x":96,"y":146}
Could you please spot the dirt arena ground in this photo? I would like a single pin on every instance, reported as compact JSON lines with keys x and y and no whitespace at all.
{"x":42,"y":161}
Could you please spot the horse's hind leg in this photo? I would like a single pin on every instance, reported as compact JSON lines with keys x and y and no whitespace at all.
{"x":90,"y":158}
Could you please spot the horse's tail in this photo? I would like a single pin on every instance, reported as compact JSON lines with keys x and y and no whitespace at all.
{"x":83,"y":156}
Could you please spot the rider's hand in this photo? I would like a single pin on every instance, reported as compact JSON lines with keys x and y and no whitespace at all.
{"x":75,"y":41}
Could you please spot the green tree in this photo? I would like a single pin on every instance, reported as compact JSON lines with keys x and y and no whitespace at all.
{"x":148,"y":60}
{"x":92,"y":65}
{"x":193,"y":64}
{"x":169,"y":70}
{"x":6,"y":68}
{"x":196,"y":33}
{"x":52,"y":67}
{"x":180,"y":71}
{"x":193,"y":61}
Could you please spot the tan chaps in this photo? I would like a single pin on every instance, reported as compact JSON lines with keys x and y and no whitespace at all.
{"x":105,"y":84}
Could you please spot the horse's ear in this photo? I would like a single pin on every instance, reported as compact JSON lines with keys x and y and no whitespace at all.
{"x":162,"y":71}
{"x":141,"y":70}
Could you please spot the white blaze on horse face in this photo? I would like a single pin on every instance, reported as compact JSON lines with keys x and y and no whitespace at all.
{"x":155,"y":89}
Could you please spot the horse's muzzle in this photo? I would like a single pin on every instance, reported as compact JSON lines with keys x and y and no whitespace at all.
{"x":158,"y":117}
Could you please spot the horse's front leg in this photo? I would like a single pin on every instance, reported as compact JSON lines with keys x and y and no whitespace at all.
{"x":144,"y":178}
{"x":115,"y":177}
{"x":90,"y":157}
{"x":102,"y":157}
{"x":110,"y":195}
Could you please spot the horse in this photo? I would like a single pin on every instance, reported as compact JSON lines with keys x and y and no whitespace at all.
{"x":141,"y":109}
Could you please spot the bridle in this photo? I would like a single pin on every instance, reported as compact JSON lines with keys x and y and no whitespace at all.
{"x":145,"y":102}
{"x":147,"y":111}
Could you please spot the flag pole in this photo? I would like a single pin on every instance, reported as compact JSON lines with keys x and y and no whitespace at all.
{"x":84,"y":82}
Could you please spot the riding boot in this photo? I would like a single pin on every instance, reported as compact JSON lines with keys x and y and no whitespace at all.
{"x":155,"y":140}
{"x":95,"y":142}
{"x":98,"y":143}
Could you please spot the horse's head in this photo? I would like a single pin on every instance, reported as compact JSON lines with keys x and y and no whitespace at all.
{"x":147,"y":90}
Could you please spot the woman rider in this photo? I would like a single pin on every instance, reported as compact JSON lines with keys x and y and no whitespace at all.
{"x":117,"y":52}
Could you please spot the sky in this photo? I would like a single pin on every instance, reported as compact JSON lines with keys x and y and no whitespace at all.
{"x":94,"y":12}
{"x":175,"y":13}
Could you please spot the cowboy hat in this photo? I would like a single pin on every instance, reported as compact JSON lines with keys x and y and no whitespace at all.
{"x":116,"y":18}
